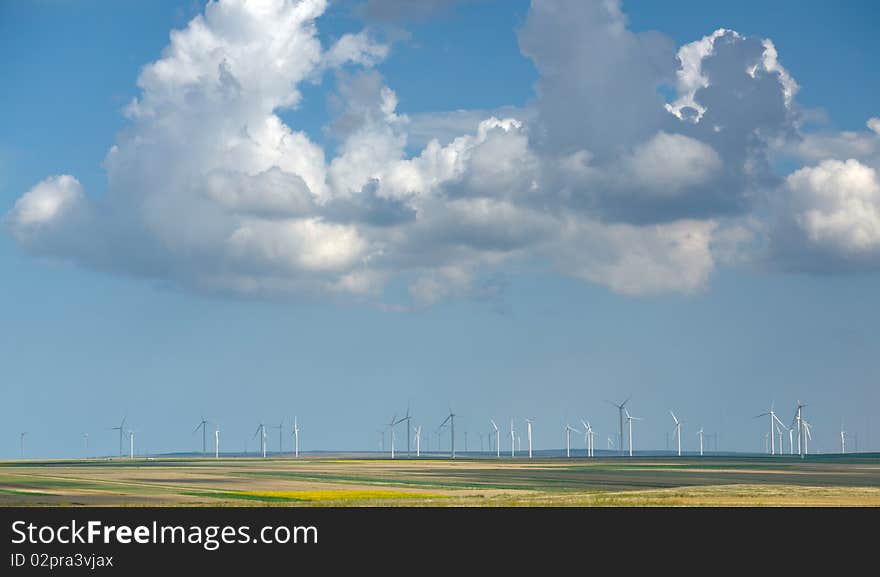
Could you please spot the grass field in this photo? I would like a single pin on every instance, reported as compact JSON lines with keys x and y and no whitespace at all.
{"x":649,"y":481}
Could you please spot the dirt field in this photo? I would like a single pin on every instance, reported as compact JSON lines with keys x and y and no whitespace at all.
{"x":780,"y":481}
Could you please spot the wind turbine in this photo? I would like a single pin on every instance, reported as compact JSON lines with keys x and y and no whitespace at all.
{"x":216,"y":443}
{"x":391,"y":424}
{"x":677,"y":430}
{"x":203,"y":425}
{"x":773,"y":420}
{"x":700,"y":433}
{"x":620,"y":410}
{"x":568,"y":430}
{"x":497,"y":439}
{"x":131,"y":444}
{"x":121,"y":429}
{"x":451,"y":420}
{"x":629,"y":420}
{"x":842,"y":440}
{"x":280,"y":427}
{"x":588,"y":437}
{"x":610,"y":442}
{"x":21,"y":441}
{"x":418,"y":431}
{"x":807,"y":435}
{"x":798,"y":419}
{"x":86,"y":437}
{"x":529,"y":433}
{"x":261,"y":430}
{"x":408,"y":420}
{"x":512,"y":439}
{"x":296,"y":438}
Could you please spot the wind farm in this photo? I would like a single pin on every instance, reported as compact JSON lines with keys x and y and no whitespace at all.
{"x":561,"y":252}
{"x":692,"y":473}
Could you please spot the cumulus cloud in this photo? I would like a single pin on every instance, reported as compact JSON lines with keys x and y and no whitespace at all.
{"x":600,"y":97}
{"x":813,"y":147}
{"x":602,"y":177}
{"x":47,"y":202}
{"x":832,"y":214}
{"x":638,"y":260}
{"x":668,"y":163}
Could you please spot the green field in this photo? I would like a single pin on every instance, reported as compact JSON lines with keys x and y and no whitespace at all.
{"x":647,"y":481}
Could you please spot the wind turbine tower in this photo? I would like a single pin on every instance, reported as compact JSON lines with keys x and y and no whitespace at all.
{"x":677,"y":430}
{"x":391,"y":424}
{"x":529,"y":433}
{"x":261,"y":431}
{"x":807,"y":436}
{"x":512,"y":440}
{"x":568,"y":430}
{"x":451,"y":420}
{"x":121,"y":429}
{"x":408,"y":420}
{"x":588,"y":437}
{"x":203,"y":425}
{"x":280,"y":427}
{"x":799,"y":419}
{"x":629,"y":420}
{"x":773,"y":421}
{"x":497,"y":439}
{"x":620,"y":411}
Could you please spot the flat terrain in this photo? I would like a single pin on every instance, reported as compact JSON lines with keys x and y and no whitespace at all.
{"x":647,"y":481}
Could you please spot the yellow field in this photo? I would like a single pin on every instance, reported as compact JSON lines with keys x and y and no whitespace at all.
{"x":434,"y":482}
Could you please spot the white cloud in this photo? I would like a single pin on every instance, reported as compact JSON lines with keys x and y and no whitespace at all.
{"x":357,"y":49}
{"x":46,"y":203}
{"x":210,"y":189}
{"x":668,"y":163}
{"x":837,"y":205}
{"x":690,"y":77}
{"x":294,"y":244}
{"x":638,"y":260}
{"x":770,"y":61}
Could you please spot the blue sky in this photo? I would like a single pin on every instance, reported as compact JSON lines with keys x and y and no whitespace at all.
{"x":499,"y":318}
